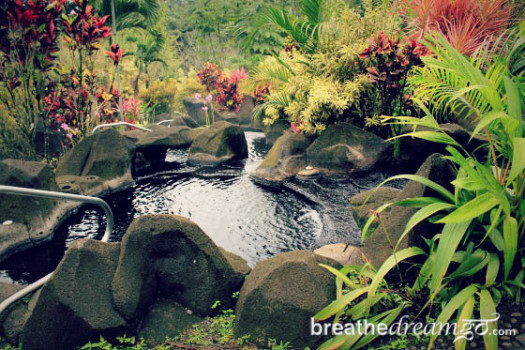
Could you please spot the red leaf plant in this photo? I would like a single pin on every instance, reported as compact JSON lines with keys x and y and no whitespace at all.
{"x":466,"y":24}
{"x":225,"y":88}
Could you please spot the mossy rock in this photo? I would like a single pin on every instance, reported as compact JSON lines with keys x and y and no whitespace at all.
{"x":75,"y":306}
{"x":285,"y":159}
{"x":220,"y":143}
{"x":345,"y":148}
{"x":107,"y":154}
{"x":280,"y":296}
{"x":377,"y":248}
{"x":170,"y":256}
{"x":165,"y":319}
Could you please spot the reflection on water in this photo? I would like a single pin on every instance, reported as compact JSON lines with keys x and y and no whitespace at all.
{"x":252,"y":221}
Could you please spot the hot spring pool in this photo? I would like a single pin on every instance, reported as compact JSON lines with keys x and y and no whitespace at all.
{"x":248,"y":219}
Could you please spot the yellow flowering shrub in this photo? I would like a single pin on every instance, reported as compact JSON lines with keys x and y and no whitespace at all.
{"x":161,"y":92}
{"x":325,"y":87}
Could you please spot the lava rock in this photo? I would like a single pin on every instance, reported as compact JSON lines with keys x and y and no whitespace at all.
{"x":165,"y":319}
{"x":220,"y":143}
{"x":194,"y":109}
{"x":285,"y":159}
{"x":280,"y":296}
{"x":344,"y":254}
{"x":34,"y":219}
{"x":152,"y":146}
{"x":171,"y":256}
{"x":107,"y":154}
{"x":161,"y":136}
{"x":14,"y":318}
{"x":242,"y":117}
{"x":276,"y":130}
{"x":75,"y":305}
{"x":414,"y":151}
{"x":344,"y":148}
{"x":363,"y":203}
{"x":376,"y":248}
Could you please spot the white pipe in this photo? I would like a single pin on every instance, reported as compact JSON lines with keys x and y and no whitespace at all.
{"x":96,"y":128}
{"x":60,"y":196}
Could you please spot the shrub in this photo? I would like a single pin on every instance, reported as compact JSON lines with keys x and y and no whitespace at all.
{"x":162,"y":94}
{"x":477,"y":257}
{"x":466,"y":24}
{"x":225,"y":87}
{"x":314,"y":89}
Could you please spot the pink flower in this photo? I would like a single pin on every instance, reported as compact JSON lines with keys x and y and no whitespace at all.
{"x":65,"y":126}
{"x":209,"y":98}
{"x":295,"y":126}
{"x":198,"y":96}
{"x":69,"y":135}
{"x":204,"y":108}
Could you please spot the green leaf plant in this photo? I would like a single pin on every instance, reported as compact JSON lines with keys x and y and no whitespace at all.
{"x":478,"y":256}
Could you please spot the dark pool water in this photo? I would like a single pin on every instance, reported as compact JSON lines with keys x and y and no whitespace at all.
{"x":246,"y":218}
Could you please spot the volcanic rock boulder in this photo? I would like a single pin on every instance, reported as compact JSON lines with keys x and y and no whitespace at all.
{"x":152,"y":146}
{"x":345,"y":148}
{"x":377,"y":248}
{"x":280,"y":296}
{"x":170,"y":256}
{"x":194,"y":109}
{"x":14,"y":318}
{"x":220,"y":143}
{"x":106,"y":155}
{"x":75,"y":306}
{"x":363,"y":203}
{"x":276,"y":130}
{"x":285,"y":159}
{"x":414,"y":151}
{"x":165,"y":318}
{"x":161,"y":136}
{"x":243,"y":117}
{"x":27,"y":220}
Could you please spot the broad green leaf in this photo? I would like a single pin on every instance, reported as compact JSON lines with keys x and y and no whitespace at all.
{"x":472,"y":263}
{"x":473,"y":209}
{"x":432,"y":136}
{"x":340,"y":275}
{"x":424,"y":181}
{"x":339,"y":304}
{"x":468,"y":183}
{"x":451,"y":235}
{"x":371,"y":219}
{"x":421,"y":215}
{"x":497,"y":239}
{"x":493,"y":186}
{"x":463,"y":319}
{"x":510,"y":236}
{"x":486,"y":120}
{"x":495,"y":215}
{"x":418,"y":202}
{"x":513,"y":99}
{"x":359,"y":310}
{"x":487,"y":310}
{"x":389,"y":264}
{"x":390,"y":316}
{"x":492,"y":270}
{"x":453,"y":305}
{"x":518,"y":158}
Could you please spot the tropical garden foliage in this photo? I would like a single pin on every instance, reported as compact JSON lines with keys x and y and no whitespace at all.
{"x":398,"y":68}
{"x":476,"y":257}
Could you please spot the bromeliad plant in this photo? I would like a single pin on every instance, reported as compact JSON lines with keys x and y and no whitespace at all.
{"x":478,"y":257}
